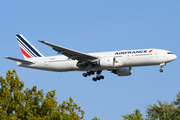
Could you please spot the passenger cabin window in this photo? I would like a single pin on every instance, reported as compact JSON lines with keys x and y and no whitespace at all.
{"x":169,"y":53}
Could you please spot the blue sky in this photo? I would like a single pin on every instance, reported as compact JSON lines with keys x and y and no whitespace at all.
{"x":96,"y":26}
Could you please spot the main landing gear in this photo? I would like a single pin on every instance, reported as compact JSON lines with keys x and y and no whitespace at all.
{"x":88,"y":73}
{"x":98,"y":76}
{"x":162,"y":64}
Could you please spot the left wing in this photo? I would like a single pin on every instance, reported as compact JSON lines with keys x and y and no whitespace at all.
{"x":71,"y":54}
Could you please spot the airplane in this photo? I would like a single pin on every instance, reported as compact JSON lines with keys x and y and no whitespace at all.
{"x":117,"y":62}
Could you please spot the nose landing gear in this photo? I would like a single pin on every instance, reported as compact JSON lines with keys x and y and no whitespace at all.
{"x":162,"y":64}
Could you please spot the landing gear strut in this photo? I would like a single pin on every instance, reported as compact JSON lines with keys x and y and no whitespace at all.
{"x":162,"y":64}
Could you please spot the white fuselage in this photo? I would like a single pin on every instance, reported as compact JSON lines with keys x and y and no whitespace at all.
{"x":124,"y":58}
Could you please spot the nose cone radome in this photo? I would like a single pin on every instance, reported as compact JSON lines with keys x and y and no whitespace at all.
{"x":173,"y":57}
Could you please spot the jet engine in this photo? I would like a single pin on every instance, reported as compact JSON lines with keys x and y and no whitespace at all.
{"x":106,"y":62}
{"x":110,"y":62}
{"x":126,"y":71}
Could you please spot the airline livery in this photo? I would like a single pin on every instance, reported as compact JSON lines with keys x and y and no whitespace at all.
{"x":118,"y":62}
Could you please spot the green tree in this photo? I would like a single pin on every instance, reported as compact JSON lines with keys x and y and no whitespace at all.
{"x":16,"y":103}
{"x":56,"y":116}
{"x":11,"y":96}
{"x":177,"y":102}
{"x":162,"y":111}
{"x":70,"y":110}
{"x":165,"y":111}
{"x":95,"y":118}
{"x":24,"y":104}
{"x":135,"y":116}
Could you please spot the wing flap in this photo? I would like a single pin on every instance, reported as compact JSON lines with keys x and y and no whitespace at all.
{"x":71,"y":54}
{"x":19,"y":60}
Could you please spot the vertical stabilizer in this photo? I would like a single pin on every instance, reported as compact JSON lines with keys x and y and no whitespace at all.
{"x":28,"y":50}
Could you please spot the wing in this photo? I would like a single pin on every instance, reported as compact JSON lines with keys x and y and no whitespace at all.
{"x":19,"y":60}
{"x":71,"y":54}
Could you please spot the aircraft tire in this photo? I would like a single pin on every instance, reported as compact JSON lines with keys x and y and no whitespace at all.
{"x":84,"y":74}
{"x":94,"y":79}
{"x":92,"y":72}
{"x":161,"y":70}
{"x":102,"y":77}
{"x":88,"y":73}
{"x":98,"y":78}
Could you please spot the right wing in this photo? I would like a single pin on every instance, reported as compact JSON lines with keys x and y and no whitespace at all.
{"x":71,"y":54}
{"x":19,"y":60}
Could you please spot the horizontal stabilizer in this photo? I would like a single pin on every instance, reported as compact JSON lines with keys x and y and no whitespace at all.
{"x":19,"y":60}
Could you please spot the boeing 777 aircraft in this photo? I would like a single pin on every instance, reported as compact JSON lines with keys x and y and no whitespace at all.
{"x":118,"y":62}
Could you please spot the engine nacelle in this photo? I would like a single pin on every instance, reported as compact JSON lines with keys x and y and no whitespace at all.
{"x":110,"y":62}
{"x":107,"y":62}
{"x":126,"y":71}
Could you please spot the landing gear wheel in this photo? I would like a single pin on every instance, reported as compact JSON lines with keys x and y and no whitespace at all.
{"x":98,"y":78}
{"x":92,"y":72}
{"x":102,"y":77}
{"x":94,"y":79}
{"x":88,"y":73}
{"x":84,"y":74}
{"x":161,"y":70}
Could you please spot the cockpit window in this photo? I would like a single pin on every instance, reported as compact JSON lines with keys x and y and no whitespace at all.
{"x":169,"y":53}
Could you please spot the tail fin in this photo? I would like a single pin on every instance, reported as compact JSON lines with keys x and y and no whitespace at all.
{"x":28,"y":50}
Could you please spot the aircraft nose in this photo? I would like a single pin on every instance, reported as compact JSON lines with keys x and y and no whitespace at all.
{"x":174,"y":57}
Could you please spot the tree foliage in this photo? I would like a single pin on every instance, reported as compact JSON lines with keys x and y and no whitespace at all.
{"x":135,"y":116}
{"x":162,"y":111}
{"x":96,"y":118}
{"x":24,"y":104}
{"x":19,"y":103}
{"x":69,"y":109}
{"x":33,"y":104}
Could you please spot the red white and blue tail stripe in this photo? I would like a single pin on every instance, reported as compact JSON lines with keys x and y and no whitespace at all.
{"x":28,"y":50}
